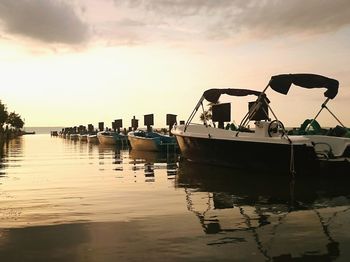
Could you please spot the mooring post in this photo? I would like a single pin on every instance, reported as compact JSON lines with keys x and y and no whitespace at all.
{"x":170,"y":121}
{"x":134,"y":123}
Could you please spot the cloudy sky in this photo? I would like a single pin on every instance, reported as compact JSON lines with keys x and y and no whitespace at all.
{"x":69,"y":62}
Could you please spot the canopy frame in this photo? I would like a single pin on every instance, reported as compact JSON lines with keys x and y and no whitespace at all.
{"x":282,"y":83}
{"x":213,"y":95}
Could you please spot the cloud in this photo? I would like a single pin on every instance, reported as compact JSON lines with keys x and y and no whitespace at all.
{"x":50,"y":21}
{"x":182,"y":7}
{"x":290,"y":17}
{"x":141,"y":21}
{"x":253,"y":18}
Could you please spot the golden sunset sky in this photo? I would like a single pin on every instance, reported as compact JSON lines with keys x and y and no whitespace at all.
{"x":71,"y":62}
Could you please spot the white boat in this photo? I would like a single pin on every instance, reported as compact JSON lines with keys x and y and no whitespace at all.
{"x":83,"y":137}
{"x":150,"y":141}
{"x":73,"y":136}
{"x":92,"y":139}
{"x":269,"y":146}
{"x":111,"y":138}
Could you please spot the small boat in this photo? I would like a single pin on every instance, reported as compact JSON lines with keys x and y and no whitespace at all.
{"x":83,"y":137}
{"x":30,"y":133}
{"x":151,"y":141}
{"x":268,"y":146}
{"x":74,"y":137}
{"x":111,"y":138}
{"x":92,"y":138}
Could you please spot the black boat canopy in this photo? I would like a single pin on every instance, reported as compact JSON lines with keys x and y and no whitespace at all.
{"x":282,"y":83}
{"x":213,"y":95}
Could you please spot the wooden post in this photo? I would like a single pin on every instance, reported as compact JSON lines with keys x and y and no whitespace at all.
{"x":134,"y":123}
{"x":149,"y":122}
{"x":101,"y":126}
{"x":170,"y":121}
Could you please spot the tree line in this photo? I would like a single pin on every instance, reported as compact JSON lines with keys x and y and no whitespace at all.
{"x":11,"y":120}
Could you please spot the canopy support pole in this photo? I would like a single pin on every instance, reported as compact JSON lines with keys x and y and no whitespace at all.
{"x":252,"y":112}
{"x":319,"y":112}
{"x":204,"y":118}
{"x":248,"y":115}
{"x":335,"y":117}
{"x":194,"y":112}
{"x":254,"y":108}
{"x":324,"y":105}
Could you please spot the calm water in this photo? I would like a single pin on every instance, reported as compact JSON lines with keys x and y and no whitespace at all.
{"x":69,"y":201}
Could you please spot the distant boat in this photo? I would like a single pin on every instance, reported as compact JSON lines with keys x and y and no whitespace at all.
{"x":150,"y":141}
{"x":111,"y":138}
{"x":29,"y":133}
{"x":83,"y":137}
{"x":92,"y":138}
{"x":74,"y":136}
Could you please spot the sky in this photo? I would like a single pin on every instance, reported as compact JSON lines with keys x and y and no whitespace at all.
{"x":73,"y":62}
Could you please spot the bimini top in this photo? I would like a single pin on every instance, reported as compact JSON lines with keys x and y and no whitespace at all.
{"x":282,"y":83}
{"x":213,"y":95}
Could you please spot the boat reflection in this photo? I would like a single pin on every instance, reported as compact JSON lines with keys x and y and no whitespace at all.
{"x":138,"y":160}
{"x":111,"y":154}
{"x":149,"y":161}
{"x":286,"y":219}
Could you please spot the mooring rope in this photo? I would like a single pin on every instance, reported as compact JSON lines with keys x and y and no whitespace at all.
{"x":292,"y":160}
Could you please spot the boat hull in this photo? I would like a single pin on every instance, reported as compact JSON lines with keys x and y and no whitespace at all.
{"x":92,"y":139}
{"x":144,"y":144}
{"x":243,"y":154}
{"x":111,"y":138}
{"x":74,"y":137}
{"x":83,"y":138}
{"x":152,"y":141}
{"x":106,"y":140}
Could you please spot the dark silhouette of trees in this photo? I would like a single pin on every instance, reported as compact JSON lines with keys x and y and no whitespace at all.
{"x":207,"y":114}
{"x":10,"y":119}
{"x":15,"y":120}
{"x":3,"y":114}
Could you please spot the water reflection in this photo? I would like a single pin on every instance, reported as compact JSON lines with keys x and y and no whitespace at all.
{"x":110,"y":154}
{"x":150,"y":161}
{"x":287,"y":220}
{"x":11,"y":155}
{"x":66,"y":201}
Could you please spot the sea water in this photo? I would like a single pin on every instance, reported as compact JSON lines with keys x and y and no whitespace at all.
{"x":63,"y":200}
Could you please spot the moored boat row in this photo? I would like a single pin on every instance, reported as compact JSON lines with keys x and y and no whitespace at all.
{"x":266,"y":146}
{"x":137,"y":139}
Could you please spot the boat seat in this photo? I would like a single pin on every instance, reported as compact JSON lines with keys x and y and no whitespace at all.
{"x":339,"y":131}
{"x":335,"y":145}
{"x":140,"y":133}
